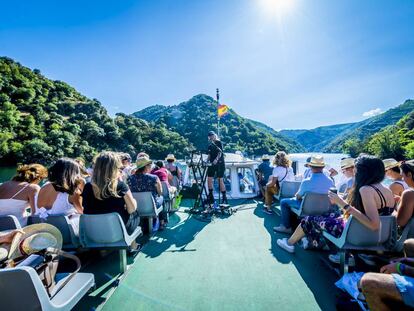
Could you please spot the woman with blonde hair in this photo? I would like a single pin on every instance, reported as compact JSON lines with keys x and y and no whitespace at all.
{"x":282,"y":171}
{"x":18,"y":194}
{"x":107,"y":193}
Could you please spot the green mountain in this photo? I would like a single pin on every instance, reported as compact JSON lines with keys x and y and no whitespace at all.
{"x":42,"y":119}
{"x":194,"y":118}
{"x":343,"y":137}
{"x":317,"y":139}
{"x":369,"y":127}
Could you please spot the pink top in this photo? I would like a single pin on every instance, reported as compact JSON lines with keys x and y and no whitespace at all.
{"x":162,"y":174}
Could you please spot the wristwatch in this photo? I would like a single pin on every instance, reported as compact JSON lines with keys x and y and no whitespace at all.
{"x":346,"y":207}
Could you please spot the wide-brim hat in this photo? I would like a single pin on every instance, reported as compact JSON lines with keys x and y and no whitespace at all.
{"x":390,"y":163}
{"x":316,"y":161}
{"x":265,"y":157}
{"x":347,"y":163}
{"x":32,"y":239}
{"x":170,"y":157}
{"x":142,"y":161}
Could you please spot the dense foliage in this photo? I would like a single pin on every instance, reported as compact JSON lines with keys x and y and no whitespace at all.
{"x":380,"y":135}
{"x":361,"y":134}
{"x":41,"y":120}
{"x":394,"y":141}
{"x":194,"y":118}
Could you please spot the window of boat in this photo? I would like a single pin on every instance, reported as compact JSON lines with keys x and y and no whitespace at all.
{"x":246,"y":180}
{"x":226,"y":179}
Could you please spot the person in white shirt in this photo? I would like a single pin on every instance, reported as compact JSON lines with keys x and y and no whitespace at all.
{"x":282,"y":171}
{"x":348,"y":170}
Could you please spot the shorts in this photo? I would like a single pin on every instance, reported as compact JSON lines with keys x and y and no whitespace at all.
{"x":216,"y":170}
{"x":405,"y":286}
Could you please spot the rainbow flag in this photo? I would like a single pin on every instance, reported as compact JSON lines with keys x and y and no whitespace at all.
{"x":222,"y":110}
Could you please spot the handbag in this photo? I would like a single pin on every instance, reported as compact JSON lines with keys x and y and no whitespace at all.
{"x":46,"y":264}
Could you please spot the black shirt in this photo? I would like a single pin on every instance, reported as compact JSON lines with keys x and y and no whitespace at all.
{"x":214,"y":149}
{"x":93,"y":206}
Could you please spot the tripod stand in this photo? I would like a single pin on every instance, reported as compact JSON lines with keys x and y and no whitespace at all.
{"x":199,"y":169}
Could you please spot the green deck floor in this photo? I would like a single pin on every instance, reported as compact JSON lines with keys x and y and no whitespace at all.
{"x":230,"y":263}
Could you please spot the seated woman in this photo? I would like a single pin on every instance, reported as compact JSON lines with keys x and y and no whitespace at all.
{"x":175,"y":177}
{"x":162,"y":173}
{"x":282,"y":171}
{"x":392,"y":171}
{"x":106,"y":193}
{"x":367,"y":201}
{"x":143,"y":181}
{"x":62,"y":194}
{"x":19,"y":194}
{"x":405,"y":209}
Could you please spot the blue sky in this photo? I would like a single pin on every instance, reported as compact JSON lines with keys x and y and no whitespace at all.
{"x":288,"y":63}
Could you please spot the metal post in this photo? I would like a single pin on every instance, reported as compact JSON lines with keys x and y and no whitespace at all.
{"x":218,"y":117}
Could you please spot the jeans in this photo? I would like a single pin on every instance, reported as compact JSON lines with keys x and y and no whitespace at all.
{"x":285,"y":206}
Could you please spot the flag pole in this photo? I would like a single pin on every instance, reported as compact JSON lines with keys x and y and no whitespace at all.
{"x":218,"y":117}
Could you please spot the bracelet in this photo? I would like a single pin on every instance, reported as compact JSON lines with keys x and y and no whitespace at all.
{"x":399,"y":268}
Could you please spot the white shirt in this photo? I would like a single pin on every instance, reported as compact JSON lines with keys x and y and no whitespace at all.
{"x":280,"y":173}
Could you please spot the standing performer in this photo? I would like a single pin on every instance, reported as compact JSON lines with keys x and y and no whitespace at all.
{"x":216,"y":168}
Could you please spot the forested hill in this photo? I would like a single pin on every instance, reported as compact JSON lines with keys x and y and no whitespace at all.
{"x":344,"y":137}
{"x":369,"y":127}
{"x":41,"y":120}
{"x":317,"y":139}
{"x":194,"y":118}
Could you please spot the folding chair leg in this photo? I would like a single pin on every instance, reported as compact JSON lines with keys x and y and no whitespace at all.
{"x":149,"y":225}
{"x":343,"y":260}
{"x":123,"y":260}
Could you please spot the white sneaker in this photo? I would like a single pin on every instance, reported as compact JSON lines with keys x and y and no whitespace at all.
{"x":335,"y":259}
{"x":282,"y":229}
{"x":283,"y":243}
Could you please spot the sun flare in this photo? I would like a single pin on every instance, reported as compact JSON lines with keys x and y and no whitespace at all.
{"x":277,"y":7}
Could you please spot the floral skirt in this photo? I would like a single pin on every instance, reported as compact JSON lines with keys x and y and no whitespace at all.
{"x":313,"y":226}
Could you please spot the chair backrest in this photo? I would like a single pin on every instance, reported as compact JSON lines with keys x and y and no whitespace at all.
{"x":21,"y":282}
{"x":103,"y":230}
{"x":145,"y":204}
{"x":9,"y":222}
{"x":59,"y":221}
{"x":315,"y":204}
{"x":359,"y":235}
{"x":165,"y":190}
{"x":288,"y":189}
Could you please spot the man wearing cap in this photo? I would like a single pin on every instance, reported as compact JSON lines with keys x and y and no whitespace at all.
{"x":318,"y":182}
{"x":217,"y":166}
{"x":265,"y":171}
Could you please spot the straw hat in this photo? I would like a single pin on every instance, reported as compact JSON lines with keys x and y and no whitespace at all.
{"x":32,"y":239}
{"x":316,"y":161}
{"x":142,"y":161}
{"x":170,"y":157}
{"x":390,"y":163}
{"x":347,"y":163}
{"x":265,"y":157}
